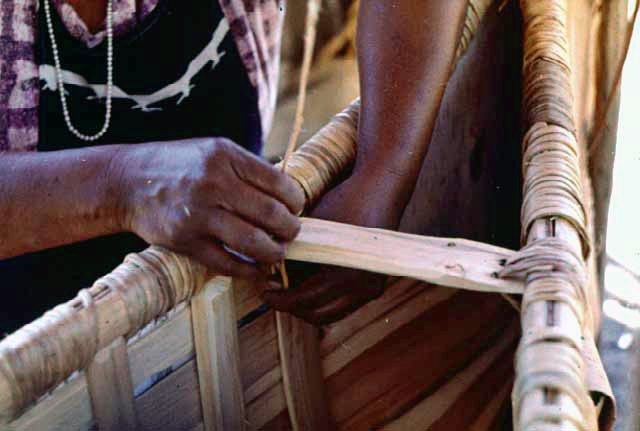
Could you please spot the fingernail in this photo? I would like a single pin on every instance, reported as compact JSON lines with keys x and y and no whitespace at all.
{"x":274,"y":286}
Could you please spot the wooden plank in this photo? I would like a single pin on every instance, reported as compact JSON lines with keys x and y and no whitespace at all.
{"x":258,"y":350}
{"x":217,"y":354}
{"x":342,"y":341}
{"x":173,"y":403}
{"x":168,"y":344}
{"x":299,"y":345}
{"x":448,"y":262}
{"x":67,"y":408}
{"x":388,"y":323}
{"x":406,"y":366}
{"x":493,"y":408}
{"x":266,"y":407}
{"x":263,"y":384}
{"x":246,"y":297}
{"x":466,"y":390}
{"x":398,"y":291}
{"x":110,"y":389}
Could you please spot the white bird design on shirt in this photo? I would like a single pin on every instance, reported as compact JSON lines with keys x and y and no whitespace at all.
{"x":144,"y":102}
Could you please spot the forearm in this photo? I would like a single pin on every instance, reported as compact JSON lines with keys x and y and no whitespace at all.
{"x":406,"y":51}
{"x":55,"y":198}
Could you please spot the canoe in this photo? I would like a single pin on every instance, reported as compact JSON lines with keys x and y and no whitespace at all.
{"x":488,"y":321}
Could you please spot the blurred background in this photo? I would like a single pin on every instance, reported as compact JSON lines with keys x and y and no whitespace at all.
{"x":620,"y":337}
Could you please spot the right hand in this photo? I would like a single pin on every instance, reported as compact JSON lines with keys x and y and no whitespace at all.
{"x":199,"y":195}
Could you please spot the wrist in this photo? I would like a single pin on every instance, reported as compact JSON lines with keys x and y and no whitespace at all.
{"x":360,"y":200}
{"x":117,"y":189}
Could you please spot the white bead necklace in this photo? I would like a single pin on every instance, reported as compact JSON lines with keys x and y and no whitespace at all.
{"x":63,"y":99}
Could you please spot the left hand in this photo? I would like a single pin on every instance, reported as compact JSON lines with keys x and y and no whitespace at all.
{"x":331,"y":293}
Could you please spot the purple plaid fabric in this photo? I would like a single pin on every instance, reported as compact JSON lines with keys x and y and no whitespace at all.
{"x":256,"y":26}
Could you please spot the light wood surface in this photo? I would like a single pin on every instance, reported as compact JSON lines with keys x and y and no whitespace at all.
{"x":110,"y":388}
{"x":216,"y":342}
{"x":67,"y":408}
{"x":173,"y":403}
{"x":299,"y":346}
{"x":448,"y":262}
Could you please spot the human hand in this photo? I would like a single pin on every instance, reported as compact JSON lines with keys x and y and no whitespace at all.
{"x":325,"y":294}
{"x":200,"y":197}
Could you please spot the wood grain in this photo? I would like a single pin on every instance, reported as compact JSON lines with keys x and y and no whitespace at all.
{"x":173,"y":403}
{"x":68,"y":408}
{"x":216,"y":342}
{"x":403,"y":368}
{"x":298,"y":342}
{"x":466,"y":390}
{"x":168,"y":343}
{"x":110,"y":388}
{"x":448,"y":262}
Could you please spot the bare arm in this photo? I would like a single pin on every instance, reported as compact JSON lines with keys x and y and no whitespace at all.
{"x":55,"y":198}
{"x":406,"y":51}
{"x":192,"y":196}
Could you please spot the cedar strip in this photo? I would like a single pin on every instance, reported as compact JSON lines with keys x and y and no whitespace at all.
{"x":480,"y":397}
{"x":298,"y":342}
{"x":69,"y":408}
{"x":397,"y":292}
{"x":279,"y":423}
{"x":453,"y":397}
{"x":386,"y":379}
{"x":383,"y":327}
{"x":168,"y":342}
{"x":216,"y":342}
{"x":109,"y":381}
{"x":381,"y":317}
{"x":246,"y":297}
{"x":495,"y":407}
{"x":266,"y":407}
{"x":264,"y":383}
{"x":173,"y":403}
{"x":258,"y":350}
{"x":448,"y":262}
{"x":341,"y":342}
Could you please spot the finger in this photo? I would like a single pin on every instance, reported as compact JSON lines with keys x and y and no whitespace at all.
{"x":266,"y":212}
{"x":317,"y":290}
{"x":270,"y":180}
{"x":244,"y":237}
{"x":298,"y":299}
{"x":370,"y":286}
{"x":218,"y":261}
{"x":334,"y":311}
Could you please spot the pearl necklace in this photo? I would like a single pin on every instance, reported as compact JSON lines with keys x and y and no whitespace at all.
{"x":63,"y":99}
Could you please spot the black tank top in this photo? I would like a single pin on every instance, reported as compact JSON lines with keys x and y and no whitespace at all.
{"x":176,"y":75}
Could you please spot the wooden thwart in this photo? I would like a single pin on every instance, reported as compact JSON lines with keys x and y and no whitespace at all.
{"x":444,"y":261}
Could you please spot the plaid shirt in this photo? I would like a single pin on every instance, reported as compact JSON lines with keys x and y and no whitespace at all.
{"x":256,"y":26}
